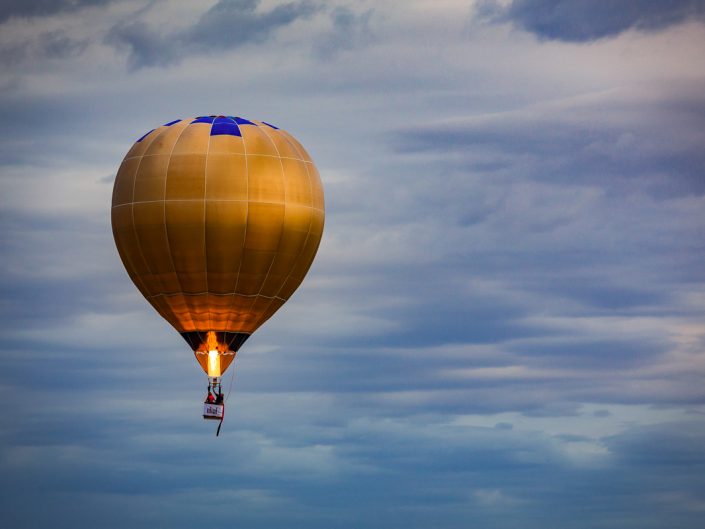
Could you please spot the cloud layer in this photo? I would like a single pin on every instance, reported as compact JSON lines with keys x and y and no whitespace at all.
{"x":588,"y":20}
{"x":505,"y":319}
{"x":228,"y":24}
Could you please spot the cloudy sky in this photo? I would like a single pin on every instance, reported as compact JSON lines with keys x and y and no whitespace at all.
{"x":504,"y":326}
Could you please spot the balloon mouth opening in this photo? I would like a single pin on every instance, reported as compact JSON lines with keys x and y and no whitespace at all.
{"x":223,"y":341}
{"x":214,"y":350}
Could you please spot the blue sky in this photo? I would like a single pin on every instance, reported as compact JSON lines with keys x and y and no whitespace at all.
{"x":504,"y":324}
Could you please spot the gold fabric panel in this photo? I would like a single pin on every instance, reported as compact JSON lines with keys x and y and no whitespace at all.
{"x":302,"y":154}
{"x":125,"y":181}
{"x":284,"y":147}
{"x":226,"y":144}
{"x":193,"y":139}
{"x":224,"y":177}
{"x":140,"y":147}
{"x":297,"y":183}
{"x":217,"y":231}
{"x":305,"y":258}
{"x":186,"y":177}
{"x":256,"y":141}
{"x":185,"y":228}
{"x":150,"y":178}
{"x":165,"y":138}
{"x":226,"y":222}
{"x":128,"y":247}
{"x":148,"y":220}
{"x":265,"y":179}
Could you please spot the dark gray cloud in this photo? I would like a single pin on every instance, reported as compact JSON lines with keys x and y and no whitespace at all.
{"x":232,"y":23}
{"x":587,"y":20}
{"x":32,"y":8}
{"x":56,"y":44}
{"x":145,"y":45}
{"x":227,"y":25}
{"x":655,"y":145}
{"x":604,"y":355}
{"x":678,"y":444}
{"x":49,"y":45}
{"x":349,"y":30}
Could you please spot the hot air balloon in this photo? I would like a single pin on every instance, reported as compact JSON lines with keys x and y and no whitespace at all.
{"x":217,"y":220}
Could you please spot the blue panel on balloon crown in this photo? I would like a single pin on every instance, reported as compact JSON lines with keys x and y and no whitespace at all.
{"x":241,"y":121}
{"x":204,"y":119}
{"x":143,"y":137}
{"x":270,"y":125}
{"x":225,"y":128}
{"x":171,"y":123}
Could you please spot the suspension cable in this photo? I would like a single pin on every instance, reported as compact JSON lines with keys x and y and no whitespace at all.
{"x":225,"y":399}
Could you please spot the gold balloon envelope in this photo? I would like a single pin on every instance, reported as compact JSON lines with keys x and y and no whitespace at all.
{"x":217,"y":220}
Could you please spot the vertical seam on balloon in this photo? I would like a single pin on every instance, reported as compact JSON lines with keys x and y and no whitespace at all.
{"x":308,"y":233}
{"x":205,"y":240}
{"x":132,"y":212}
{"x":281,"y":231}
{"x":310,"y":224}
{"x":166,"y":230}
{"x":247,"y":218}
{"x":132,"y":216}
{"x":154,"y":139}
{"x":132,"y":208}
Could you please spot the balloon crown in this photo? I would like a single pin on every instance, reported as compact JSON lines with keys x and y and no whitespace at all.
{"x":220,"y":125}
